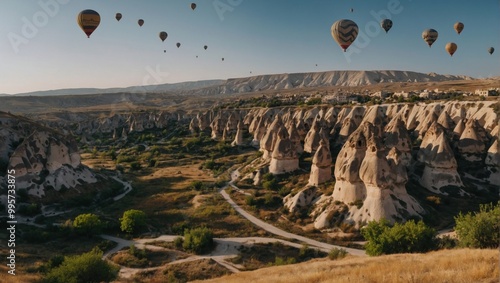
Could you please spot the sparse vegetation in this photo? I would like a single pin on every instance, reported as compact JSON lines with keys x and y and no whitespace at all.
{"x":198,"y":240}
{"x":409,"y":237}
{"x":133,"y":221}
{"x":480,"y":229}
{"x":87,"y":224}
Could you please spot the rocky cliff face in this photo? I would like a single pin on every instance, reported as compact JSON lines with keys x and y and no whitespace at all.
{"x":383,"y":147}
{"x":43,"y":159}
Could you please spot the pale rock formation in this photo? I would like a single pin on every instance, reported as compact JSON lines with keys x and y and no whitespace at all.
{"x":440,"y":165}
{"x":284,"y":157}
{"x":470,"y":145}
{"x":313,"y":137}
{"x":294,"y":135}
{"x":446,"y":121}
{"x":459,"y":129}
{"x":238,"y":139}
{"x":44,"y":160}
{"x":302,"y":199}
{"x":493,"y":163}
{"x":396,"y":136}
{"x":321,"y":169}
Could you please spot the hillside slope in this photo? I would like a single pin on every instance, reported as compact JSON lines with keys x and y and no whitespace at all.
{"x":461,"y":265}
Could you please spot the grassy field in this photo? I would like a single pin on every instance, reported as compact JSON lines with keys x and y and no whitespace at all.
{"x":458,"y":266}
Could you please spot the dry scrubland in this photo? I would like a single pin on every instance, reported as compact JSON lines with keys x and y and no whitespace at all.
{"x":458,"y":266}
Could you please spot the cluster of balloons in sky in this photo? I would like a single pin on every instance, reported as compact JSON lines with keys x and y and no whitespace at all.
{"x":89,"y":20}
{"x":345,"y":32}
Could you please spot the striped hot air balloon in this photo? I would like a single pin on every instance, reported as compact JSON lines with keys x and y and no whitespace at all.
{"x":344,"y":32}
{"x":88,"y":20}
{"x":429,"y":36}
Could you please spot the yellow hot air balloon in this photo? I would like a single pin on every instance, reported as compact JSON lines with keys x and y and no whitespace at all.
{"x":163,"y":35}
{"x":344,"y":32}
{"x":459,"y":27}
{"x":88,"y":20}
{"x":429,"y":36}
{"x":118,"y":16}
{"x":451,"y":47}
{"x":140,"y":22}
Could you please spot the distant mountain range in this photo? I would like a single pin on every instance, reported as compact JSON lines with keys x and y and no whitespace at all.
{"x":266,"y":82}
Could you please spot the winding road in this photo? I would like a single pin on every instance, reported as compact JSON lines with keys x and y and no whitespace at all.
{"x":276,"y":231}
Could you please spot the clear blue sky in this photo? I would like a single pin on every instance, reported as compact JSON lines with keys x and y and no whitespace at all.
{"x":262,"y":36}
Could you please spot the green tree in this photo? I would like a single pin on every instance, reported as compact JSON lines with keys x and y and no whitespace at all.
{"x":86,"y":268}
{"x":480,"y":229}
{"x":198,"y":240}
{"x":409,"y":237}
{"x":133,"y":220}
{"x":87,"y":224}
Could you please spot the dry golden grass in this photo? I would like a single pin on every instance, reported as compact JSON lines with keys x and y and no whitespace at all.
{"x":461,"y":265}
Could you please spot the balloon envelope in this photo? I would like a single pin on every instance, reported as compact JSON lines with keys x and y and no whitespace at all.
{"x":205,"y":47}
{"x":178,"y":44}
{"x":386,"y":24}
{"x":429,"y":36}
{"x":118,"y":16}
{"x":451,"y":47}
{"x":140,"y":22}
{"x":88,"y":20}
{"x":491,"y":50}
{"x":458,"y":26}
{"x":163,"y":35}
{"x":193,"y":6}
{"x":344,"y":32}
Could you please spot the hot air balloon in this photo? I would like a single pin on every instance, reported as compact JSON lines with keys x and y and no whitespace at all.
{"x":140,"y":22}
{"x":386,"y":24}
{"x":88,"y":20}
{"x":344,"y":32}
{"x":222,"y":59}
{"x":178,"y":44}
{"x":205,"y":47}
{"x":196,"y":56}
{"x":458,"y":26}
{"x":451,"y":48}
{"x":193,"y":6}
{"x":118,"y":16}
{"x":430,"y":35}
{"x":491,"y":50}
{"x":352,"y":10}
{"x":163,"y":36}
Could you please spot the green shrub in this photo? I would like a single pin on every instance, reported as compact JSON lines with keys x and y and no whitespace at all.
{"x":86,"y":268}
{"x":281,"y":261}
{"x":132,"y":221}
{"x":198,"y":240}
{"x":409,"y":237}
{"x":480,"y":229}
{"x":270,"y":185}
{"x":87,"y":224}
{"x":178,"y":242}
{"x":337,"y":253}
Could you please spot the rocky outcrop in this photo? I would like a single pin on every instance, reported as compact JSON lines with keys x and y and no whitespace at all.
{"x":284,"y":157}
{"x":440,"y":164}
{"x":321,"y":169}
{"x":492,"y":163}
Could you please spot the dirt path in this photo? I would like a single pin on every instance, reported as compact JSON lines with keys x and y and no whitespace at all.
{"x":274,"y":230}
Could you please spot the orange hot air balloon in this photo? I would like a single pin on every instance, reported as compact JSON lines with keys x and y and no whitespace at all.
{"x":193,"y":6}
{"x":163,"y":36}
{"x":88,"y":20}
{"x":451,"y":47}
{"x":140,"y":22}
{"x":459,"y":27}
{"x":118,"y":16}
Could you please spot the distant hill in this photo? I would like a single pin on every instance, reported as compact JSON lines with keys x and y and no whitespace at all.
{"x":321,"y":79}
{"x":266,"y":82}
{"x":183,"y":86}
